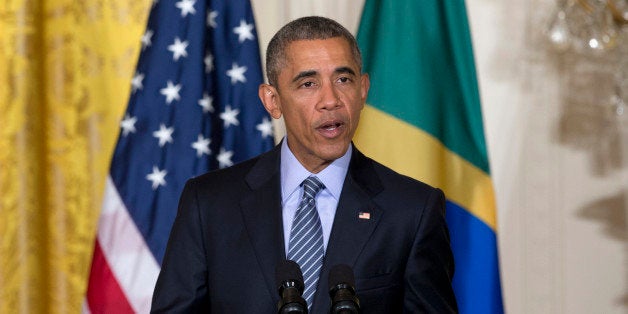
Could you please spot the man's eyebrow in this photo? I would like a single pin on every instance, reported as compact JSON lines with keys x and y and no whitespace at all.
{"x":304,"y":74}
{"x":310,"y":73}
{"x":345,"y":70}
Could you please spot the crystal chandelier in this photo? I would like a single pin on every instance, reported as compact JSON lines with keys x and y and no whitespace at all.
{"x":588,"y":24}
{"x":589,"y":42}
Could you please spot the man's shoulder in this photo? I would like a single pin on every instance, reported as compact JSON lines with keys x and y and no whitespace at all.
{"x":398,"y":194}
{"x":235,"y":174}
{"x":400,"y":184}
{"x":390,"y":178}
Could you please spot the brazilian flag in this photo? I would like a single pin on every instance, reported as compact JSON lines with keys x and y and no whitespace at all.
{"x":423,"y":119}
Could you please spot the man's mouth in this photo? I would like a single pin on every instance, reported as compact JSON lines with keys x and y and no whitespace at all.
{"x":331,"y":126}
{"x":331,"y":129}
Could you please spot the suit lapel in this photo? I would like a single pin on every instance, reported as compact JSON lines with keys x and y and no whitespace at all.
{"x":261,"y":210}
{"x":355,"y":220}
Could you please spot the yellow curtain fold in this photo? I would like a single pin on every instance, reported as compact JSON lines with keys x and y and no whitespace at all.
{"x":65,"y":71}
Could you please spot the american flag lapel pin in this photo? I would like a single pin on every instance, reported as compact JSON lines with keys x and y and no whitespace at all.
{"x":364,"y":215}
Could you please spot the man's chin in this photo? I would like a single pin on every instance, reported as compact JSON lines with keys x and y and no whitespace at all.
{"x":333,"y":152}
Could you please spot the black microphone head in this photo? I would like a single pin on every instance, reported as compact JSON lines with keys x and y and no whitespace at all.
{"x":290,"y":287}
{"x":342,"y":290}
{"x":341,"y":274}
{"x":288,"y":272}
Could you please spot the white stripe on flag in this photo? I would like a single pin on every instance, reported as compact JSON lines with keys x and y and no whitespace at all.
{"x":85,"y":308}
{"x":125,"y":250}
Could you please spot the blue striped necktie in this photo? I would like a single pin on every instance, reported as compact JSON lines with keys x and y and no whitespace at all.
{"x":306,"y":238}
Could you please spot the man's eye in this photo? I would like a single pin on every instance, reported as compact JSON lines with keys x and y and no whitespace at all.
{"x":344,"y":79}
{"x":308,"y":84}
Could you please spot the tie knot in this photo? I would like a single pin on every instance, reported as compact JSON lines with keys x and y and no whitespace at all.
{"x":311,"y":186}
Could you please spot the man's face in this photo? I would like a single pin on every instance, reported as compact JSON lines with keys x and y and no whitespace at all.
{"x":320,"y":94}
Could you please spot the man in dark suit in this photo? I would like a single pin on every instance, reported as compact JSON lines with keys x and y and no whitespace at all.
{"x":235,"y":225}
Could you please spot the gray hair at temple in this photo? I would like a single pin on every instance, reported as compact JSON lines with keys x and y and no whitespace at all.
{"x":305,"y":28}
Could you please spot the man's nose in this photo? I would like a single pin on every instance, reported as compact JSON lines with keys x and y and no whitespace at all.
{"x":330,"y":98}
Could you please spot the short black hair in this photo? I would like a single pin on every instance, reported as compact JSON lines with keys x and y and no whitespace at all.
{"x":305,"y":28}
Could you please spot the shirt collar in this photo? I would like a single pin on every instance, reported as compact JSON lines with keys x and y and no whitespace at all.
{"x":293,"y":173}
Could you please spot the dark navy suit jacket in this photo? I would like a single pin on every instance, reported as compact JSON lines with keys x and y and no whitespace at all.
{"x":227,"y":239}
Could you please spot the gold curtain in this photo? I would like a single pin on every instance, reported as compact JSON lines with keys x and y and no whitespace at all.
{"x":65,"y":71}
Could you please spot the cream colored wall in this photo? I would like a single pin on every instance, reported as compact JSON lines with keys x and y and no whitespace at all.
{"x":562,"y":197}
{"x":562,"y":207}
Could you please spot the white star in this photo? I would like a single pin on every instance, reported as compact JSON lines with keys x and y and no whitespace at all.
{"x":136,"y":83}
{"x":224,"y":158}
{"x":244,"y":31}
{"x":230,"y":116}
{"x":186,"y":6}
{"x":158,"y":177}
{"x":164,"y":134}
{"x":209,"y":63}
{"x":202,"y":146}
{"x":171,"y":92}
{"x":206,"y":103}
{"x":146,"y":39}
{"x":237,"y":73}
{"x":266,"y":127}
{"x":178,"y":49}
{"x":128,"y":125}
{"x":211,"y":19}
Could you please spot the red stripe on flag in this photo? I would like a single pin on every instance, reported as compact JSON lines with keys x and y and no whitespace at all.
{"x":104,"y":294}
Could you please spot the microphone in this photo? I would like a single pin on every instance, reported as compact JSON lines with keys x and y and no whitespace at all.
{"x":342,"y":290}
{"x":290,"y":286}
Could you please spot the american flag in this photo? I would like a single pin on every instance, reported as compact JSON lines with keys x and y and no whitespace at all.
{"x":193,"y":107}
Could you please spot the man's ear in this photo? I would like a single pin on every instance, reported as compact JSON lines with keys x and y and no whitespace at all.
{"x":366,"y":84}
{"x":268,"y":95}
